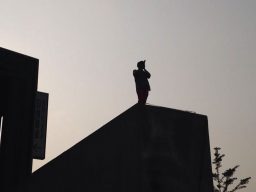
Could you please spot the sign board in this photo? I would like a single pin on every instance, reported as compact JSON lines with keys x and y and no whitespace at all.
{"x":40,"y":125}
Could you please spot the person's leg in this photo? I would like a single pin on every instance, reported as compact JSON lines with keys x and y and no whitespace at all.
{"x":142,"y":96}
{"x":145,"y":97}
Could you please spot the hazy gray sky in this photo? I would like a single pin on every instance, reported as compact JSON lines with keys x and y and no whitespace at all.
{"x":201,"y":54}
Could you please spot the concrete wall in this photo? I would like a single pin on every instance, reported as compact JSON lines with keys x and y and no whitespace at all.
{"x":145,"y":149}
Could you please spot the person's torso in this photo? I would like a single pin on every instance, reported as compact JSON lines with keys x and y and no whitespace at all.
{"x":141,"y":80}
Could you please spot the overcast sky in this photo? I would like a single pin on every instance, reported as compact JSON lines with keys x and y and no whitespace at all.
{"x":201,"y":54}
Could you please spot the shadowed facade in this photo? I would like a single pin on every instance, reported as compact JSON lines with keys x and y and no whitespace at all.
{"x":18,"y":83}
{"x":145,"y":149}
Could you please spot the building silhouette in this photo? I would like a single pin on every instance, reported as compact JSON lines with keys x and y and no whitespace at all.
{"x":18,"y":81}
{"x":145,"y":149}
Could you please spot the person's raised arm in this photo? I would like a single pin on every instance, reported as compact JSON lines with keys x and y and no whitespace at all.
{"x":148,"y":75}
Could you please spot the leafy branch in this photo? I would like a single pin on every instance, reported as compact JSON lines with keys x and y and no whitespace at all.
{"x":224,"y":181}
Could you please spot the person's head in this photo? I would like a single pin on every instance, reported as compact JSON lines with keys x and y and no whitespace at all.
{"x":141,"y":64}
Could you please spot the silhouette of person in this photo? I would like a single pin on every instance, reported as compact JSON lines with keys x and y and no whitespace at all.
{"x":141,"y":77}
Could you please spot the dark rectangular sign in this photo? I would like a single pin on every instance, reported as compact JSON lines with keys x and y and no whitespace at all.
{"x":40,"y":125}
